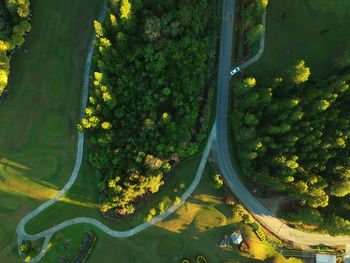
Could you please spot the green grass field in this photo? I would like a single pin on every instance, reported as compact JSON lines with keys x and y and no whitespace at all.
{"x":85,"y":200}
{"x":37,"y":131}
{"x":195,"y":228}
{"x":316,"y":31}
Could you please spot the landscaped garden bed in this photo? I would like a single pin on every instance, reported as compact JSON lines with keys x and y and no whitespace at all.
{"x":86,"y":247}
{"x":201,"y":259}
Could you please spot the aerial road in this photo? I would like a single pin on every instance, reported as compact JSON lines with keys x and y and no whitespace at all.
{"x":223,"y":157}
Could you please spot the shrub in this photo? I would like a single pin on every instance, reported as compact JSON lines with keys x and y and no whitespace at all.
{"x":229,"y":200}
{"x":201,"y":259}
{"x":161,"y":208}
{"x":26,"y":247}
{"x":218,"y":183}
{"x":148,"y":218}
{"x":177,"y":201}
{"x":152,"y":212}
{"x":300,"y":72}
{"x":239,"y":209}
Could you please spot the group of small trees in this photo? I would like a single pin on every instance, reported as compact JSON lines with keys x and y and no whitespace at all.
{"x":149,"y":72}
{"x":293,"y":136}
{"x":161,"y":209}
{"x":28,"y":250}
{"x":14,"y":24}
{"x":218,"y":182}
{"x":251,"y":15}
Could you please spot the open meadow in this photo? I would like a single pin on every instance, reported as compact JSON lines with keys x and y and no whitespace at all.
{"x":315,"y":31}
{"x":38,"y":118}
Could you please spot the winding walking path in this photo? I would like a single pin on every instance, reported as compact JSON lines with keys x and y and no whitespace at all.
{"x":263,"y":215}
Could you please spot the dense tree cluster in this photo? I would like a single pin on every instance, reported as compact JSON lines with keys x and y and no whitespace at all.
{"x":14,"y":24}
{"x":149,"y":73}
{"x":294,"y":136}
{"x":250,"y":22}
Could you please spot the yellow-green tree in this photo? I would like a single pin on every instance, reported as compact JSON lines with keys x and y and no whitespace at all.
{"x":300,"y":72}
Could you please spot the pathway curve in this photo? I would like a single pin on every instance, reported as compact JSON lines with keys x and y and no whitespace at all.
{"x":47,"y":234}
{"x":223,"y":157}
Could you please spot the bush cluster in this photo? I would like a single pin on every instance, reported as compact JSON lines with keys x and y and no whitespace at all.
{"x":86,"y":247}
{"x":14,"y":24}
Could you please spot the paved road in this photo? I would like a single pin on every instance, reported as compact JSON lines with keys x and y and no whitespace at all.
{"x":223,"y":156}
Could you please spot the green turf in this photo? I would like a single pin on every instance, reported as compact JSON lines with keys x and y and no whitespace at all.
{"x":316,"y":31}
{"x":37,"y":131}
{"x":196,"y":228}
{"x":84,"y":194}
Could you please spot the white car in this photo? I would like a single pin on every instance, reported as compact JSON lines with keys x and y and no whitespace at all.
{"x":235,"y":71}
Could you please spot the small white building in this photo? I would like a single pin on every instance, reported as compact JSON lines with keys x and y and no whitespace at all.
{"x":236,"y":238}
{"x":322,"y":258}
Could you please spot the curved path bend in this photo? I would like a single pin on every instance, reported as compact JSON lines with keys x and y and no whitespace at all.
{"x":223,"y":157}
{"x":47,"y":234}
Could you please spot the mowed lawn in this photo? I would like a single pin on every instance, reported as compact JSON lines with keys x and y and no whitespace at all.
{"x":316,"y":31}
{"x":38,"y":119}
{"x":196,"y":228}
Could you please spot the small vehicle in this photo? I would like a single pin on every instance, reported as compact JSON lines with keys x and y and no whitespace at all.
{"x":235,"y":71}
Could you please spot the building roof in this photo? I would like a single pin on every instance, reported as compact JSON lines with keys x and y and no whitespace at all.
{"x":236,"y":238}
{"x":322,"y":258}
